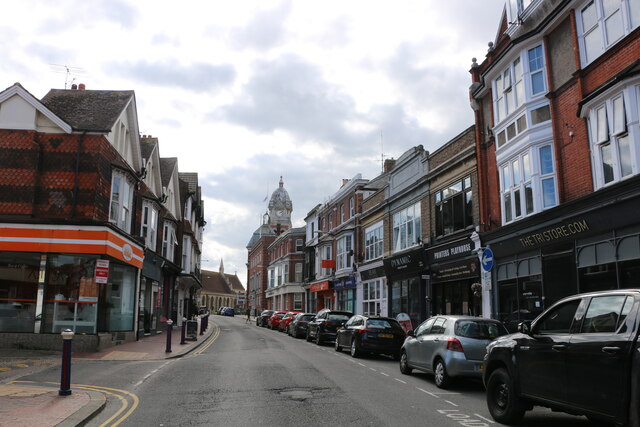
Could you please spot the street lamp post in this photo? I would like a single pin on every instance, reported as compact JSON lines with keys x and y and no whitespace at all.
{"x":169,"y":332}
{"x":65,"y":373}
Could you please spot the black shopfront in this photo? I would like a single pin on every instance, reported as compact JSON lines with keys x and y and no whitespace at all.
{"x":454,"y":276}
{"x":586,"y":245}
{"x":407,"y":290}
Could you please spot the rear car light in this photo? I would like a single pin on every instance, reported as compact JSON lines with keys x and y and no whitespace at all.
{"x":454,"y":345}
{"x":362,"y":331}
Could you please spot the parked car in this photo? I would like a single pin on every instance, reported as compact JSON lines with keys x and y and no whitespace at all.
{"x":228,"y":311}
{"x":580,"y":356}
{"x":323,"y":327}
{"x":221,"y":310}
{"x":263,"y":319}
{"x":298,"y":326}
{"x":449,"y":346}
{"x":275,"y":318}
{"x":284,"y":323}
{"x":376,"y":335}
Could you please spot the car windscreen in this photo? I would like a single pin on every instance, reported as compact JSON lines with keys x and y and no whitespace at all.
{"x":338,"y":317}
{"x":479,"y":329}
{"x":281,"y":315}
{"x":382,"y":324}
{"x":308,"y":317}
{"x":267,"y":312}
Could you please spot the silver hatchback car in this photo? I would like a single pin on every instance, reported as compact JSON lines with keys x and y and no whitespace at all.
{"x":449,"y":346}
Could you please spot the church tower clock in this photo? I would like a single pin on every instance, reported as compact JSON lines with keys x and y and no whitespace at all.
{"x":280,"y":208}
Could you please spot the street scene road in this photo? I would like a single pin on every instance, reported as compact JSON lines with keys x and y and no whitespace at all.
{"x":246,"y":375}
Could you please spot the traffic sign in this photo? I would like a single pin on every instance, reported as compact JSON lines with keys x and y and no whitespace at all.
{"x":487,"y":259}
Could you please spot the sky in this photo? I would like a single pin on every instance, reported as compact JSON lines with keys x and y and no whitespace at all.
{"x":245,"y":92}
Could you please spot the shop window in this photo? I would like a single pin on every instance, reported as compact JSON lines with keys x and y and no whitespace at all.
{"x":71,"y":294}
{"x":374,"y":294}
{"x":117,"y":302}
{"x":598,"y":277}
{"x":18,"y":291}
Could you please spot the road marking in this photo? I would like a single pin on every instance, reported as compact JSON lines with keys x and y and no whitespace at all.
{"x":451,"y":403}
{"x":484,"y":418}
{"x":464,"y":419}
{"x":386,"y":375}
{"x":134,"y":405}
{"x":429,"y":393}
{"x":400,"y":381}
{"x":150,"y":373}
{"x":210,"y":342}
{"x":362,"y":364}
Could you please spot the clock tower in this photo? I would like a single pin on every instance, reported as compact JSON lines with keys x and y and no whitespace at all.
{"x":280,"y":208}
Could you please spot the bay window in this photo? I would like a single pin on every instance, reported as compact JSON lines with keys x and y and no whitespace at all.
{"x":528,"y":183}
{"x":149,"y":228}
{"x":121,"y":200}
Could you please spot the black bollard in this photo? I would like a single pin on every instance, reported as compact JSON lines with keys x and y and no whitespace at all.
{"x":169,"y":331}
{"x":183,"y":336}
{"x":65,"y":373}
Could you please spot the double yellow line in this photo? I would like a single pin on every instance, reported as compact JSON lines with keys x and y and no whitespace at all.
{"x":209,"y":342}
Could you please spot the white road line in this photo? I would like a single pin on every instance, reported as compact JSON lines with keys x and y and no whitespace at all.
{"x":386,"y":375}
{"x":429,"y":393}
{"x":362,"y":364}
{"x":446,"y":392}
{"x":451,"y":403}
{"x":149,"y":374}
{"x":400,"y":381}
{"x":485,"y":418}
{"x":374,"y":370}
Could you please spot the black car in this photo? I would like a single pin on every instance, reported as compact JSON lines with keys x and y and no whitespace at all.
{"x":375,"y":335}
{"x":580,"y":356}
{"x":263,"y":319}
{"x":298,"y":326}
{"x":324,"y":326}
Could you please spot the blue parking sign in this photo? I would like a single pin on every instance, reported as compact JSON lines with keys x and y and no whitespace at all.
{"x":487,"y":259}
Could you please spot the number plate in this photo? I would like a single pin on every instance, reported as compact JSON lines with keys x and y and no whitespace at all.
{"x":385,"y":335}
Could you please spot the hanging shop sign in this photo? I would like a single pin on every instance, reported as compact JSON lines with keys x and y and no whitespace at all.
{"x":321,"y":286}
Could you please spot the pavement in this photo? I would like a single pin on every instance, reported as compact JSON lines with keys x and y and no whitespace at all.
{"x":24,"y":404}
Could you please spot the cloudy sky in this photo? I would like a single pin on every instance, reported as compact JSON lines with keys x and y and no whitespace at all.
{"x":244,"y":92}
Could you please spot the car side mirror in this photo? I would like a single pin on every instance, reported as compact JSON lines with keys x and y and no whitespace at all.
{"x":525,"y":327}
{"x":411,"y":333}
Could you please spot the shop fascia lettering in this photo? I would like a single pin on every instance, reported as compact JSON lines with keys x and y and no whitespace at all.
{"x":555,"y":233}
{"x":456,"y":250}
{"x":401,"y":262}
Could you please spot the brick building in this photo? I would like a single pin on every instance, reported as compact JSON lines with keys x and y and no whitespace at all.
{"x":75,"y":234}
{"x":286,"y":259}
{"x":556,"y":102}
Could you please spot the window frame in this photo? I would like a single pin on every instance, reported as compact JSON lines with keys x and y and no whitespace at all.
{"x":374,"y":242}
{"x":401,"y":225}
{"x":344,"y":245}
{"x":121,"y":207}
{"x":447,"y":195}
{"x":149,"y":224}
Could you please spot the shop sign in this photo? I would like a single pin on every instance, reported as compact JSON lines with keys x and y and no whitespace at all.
{"x":458,"y":249}
{"x":102,"y":271}
{"x":345,"y":283}
{"x":372,"y":273}
{"x":410,"y":262}
{"x":465,"y":269}
{"x":317,"y":287}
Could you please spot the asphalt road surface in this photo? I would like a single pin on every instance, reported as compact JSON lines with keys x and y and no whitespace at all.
{"x":251,"y":376}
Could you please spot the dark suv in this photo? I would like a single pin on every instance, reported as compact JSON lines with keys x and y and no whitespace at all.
{"x":580,"y":356}
{"x":263,"y":319}
{"x":325,"y":325}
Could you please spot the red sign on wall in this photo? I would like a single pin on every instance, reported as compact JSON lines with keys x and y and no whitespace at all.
{"x":102,"y":271}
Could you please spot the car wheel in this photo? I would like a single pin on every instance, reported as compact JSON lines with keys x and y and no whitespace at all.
{"x":503,"y":403}
{"x":337,"y":346}
{"x":308,"y":336}
{"x":440,"y":374}
{"x":404,"y":365}
{"x":355,"y":349}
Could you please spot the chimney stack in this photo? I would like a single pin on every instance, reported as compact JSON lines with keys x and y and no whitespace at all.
{"x":81,"y":86}
{"x":389,"y":164}
{"x":74,"y":86}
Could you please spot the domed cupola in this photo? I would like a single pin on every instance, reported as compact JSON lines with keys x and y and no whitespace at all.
{"x":280,"y":207}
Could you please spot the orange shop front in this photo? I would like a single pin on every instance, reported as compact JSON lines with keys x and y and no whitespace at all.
{"x":56,"y":277}
{"x":323,"y":295}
